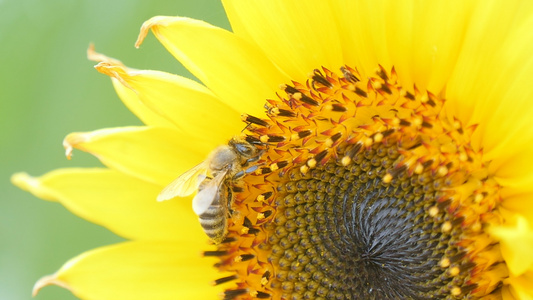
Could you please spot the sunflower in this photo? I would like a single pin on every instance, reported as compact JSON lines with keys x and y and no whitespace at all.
{"x":390,"y":141}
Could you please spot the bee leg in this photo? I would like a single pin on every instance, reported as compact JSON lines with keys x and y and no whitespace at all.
{"x":241,"y":173}
{"x":229,"y":202}
{"x":254,"y":159}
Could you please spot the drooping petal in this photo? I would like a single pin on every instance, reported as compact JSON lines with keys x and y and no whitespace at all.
{"x":181,"y":101}
{"x":298,"y":37}
{"x":157,"y":155}
{"x":123,"y":204}
{"x":138,"y":270}
{"x":129,"y":97}
{"x":235,"y":70}
{"x":516,"y":244}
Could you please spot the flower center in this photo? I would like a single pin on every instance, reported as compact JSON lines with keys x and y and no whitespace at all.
{"x":364,"y":190}
{"x":381,"y":232}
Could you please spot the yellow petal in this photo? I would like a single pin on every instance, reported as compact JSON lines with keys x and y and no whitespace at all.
{"x":188,"y":105}
{"x":124,"y":205}
{"x":236,"y":71}
{"x":520,"y":287}
{"x":424,"y":39}
{"x":363,"y":32}
{"x":138,"y":270}
{"x":129,"y":97}
{"x":157,"y":155}
{"x":507,"y":294}
{"x":490,"y":85}
{"x":33,"y":185}
{"x":516,"y":243}
{"x":417,"y":38}
{"x":519,"y":180}
{"x":298,"y":37}
{"x":519,"y":203}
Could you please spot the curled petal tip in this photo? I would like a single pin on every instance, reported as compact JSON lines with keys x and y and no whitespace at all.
{"x":75,"y":140}
{"x":143,"y":33}
{"x":117,"y":71}
{"x":147,"y":25}
{"x":99,"y":57}
{"x":46,"y":281}
{"x":71,"y":141}
{"x":68,"y":149}
{"x":91,"y":52}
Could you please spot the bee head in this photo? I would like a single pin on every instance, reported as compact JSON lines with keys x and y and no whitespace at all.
{"x":243,"y":148}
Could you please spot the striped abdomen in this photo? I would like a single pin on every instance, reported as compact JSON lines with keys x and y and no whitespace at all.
{"x":214,"y":220}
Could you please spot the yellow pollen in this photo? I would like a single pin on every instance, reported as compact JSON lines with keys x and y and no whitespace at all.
{"x":274,"y":167}
{"x":454,"y":271}
{"x":264,"y":281}
{"x":274,"y":111}
{"x":304,"y":169}
{"x":476,"y":227}
{"x":329,"y":142}
{"x":424,"y":98}
{"x":456,"y":291}
{"x":419,"y":168}
{"x":237,"y":258}
{"x":260,"y":198}
{"x":350,"y":87}
{"x":433,"y":211}
{"x":294,"y":137}
{"x":378,"y":137}
{"x":417,"y":121}
{"x":260,"y":216}
{"x":346,"y":160}
{"x":446,"y":226}
{"x":297,"y":96}
{"x":376,"y":85}
{"x":387,"y":178}
{"x":478,"y":198}
{"x":264,"y":138}
{"x":244,"y":230}
{"x":444,"y":263}
{"x":311,"y":163}
{"x":463,"y":156}
{"x":368,"y":142}
{"x":442,"y":171}
{"x":396,"y":121}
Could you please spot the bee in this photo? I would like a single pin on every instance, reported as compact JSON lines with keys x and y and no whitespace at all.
{"x":212,"y":179}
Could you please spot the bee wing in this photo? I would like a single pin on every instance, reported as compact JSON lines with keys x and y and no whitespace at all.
{"x":207,"y":195}
{"x":186,"y":184}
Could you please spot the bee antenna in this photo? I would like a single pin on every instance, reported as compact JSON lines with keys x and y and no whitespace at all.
{"x":246,"y":127}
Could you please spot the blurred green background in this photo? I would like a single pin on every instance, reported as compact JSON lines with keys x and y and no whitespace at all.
{"x":47,"y":89}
